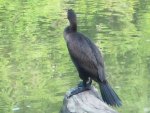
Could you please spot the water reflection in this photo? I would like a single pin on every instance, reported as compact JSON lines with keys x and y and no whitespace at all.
{"x":36,"y":69}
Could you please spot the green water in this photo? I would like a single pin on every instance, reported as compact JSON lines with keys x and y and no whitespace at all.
{"x":36,"y":70}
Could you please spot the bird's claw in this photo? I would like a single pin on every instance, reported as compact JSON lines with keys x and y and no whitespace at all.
{"x":79,"y":89}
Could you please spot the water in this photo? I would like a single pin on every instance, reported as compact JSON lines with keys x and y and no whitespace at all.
{"x":36,"y":70}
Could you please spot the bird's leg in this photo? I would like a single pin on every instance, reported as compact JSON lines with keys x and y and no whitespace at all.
{"x":82,"y":86}
{"x":85,"y":83}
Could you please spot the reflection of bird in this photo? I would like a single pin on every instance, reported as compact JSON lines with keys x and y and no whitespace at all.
{"x":88,"y":61}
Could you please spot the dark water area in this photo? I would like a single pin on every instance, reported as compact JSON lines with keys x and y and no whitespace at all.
{"x":35,"y":67}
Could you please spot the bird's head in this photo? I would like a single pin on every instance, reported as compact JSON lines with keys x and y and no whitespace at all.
{"x":71,"y":16}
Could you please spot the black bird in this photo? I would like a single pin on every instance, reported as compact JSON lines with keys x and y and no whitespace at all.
{"x":88,"y":61}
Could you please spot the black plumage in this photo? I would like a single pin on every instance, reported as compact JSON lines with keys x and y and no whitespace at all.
{"x":88,"y":61}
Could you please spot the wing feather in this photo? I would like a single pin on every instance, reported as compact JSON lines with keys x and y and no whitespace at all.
{"x":86,"y":55}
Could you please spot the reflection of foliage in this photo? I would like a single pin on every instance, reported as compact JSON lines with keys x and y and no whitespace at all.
{"x":36,"y":69}
{"x":31,"y":46}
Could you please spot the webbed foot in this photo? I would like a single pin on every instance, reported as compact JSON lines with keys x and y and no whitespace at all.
{"x":80,"y":88}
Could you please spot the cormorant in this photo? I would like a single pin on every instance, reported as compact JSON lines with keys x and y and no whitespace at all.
{"x":88,"y":61}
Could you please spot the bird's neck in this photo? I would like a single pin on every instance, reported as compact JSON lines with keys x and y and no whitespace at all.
{"x":73,"y":27}
{"x":68,"y":30}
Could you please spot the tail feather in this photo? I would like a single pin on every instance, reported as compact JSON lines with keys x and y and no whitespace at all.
{"x":108,"y":94}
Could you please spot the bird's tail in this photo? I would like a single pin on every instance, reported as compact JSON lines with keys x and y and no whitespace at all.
{"x":108,"y":94}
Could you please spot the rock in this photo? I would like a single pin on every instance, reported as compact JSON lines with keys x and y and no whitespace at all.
{"x":89,"y":101}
